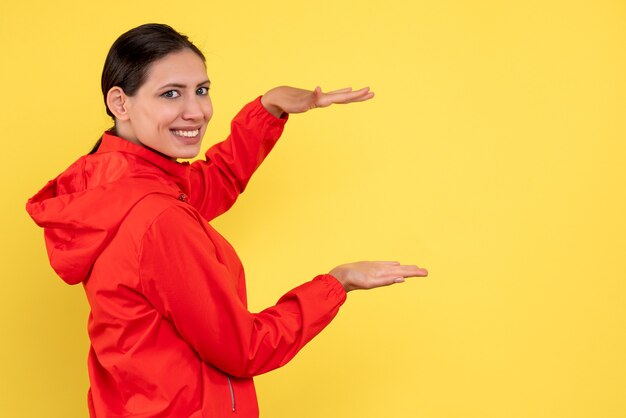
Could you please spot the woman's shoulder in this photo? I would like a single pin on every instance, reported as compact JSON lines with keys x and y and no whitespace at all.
{"x":160,"y":207}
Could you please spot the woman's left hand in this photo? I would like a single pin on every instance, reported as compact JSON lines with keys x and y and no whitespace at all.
{"x":286,"y":99}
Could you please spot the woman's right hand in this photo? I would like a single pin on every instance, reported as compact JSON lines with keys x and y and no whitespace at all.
{"x":285,"y":99}
{"x":372,"y":274}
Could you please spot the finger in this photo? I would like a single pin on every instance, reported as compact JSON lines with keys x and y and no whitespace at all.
{"x":386,"y":281}
{"x":344,"y":90}
{"x":349,"y":92}
{"x":361,"y":99}
{"x":404,"y":271}
{"x":360,"y":96}
{"x":347,"y":97}
{"x":363,"y":90}
{"x":414,"y":271}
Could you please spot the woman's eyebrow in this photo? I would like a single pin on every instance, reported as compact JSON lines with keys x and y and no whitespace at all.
{"x":182,"y":86}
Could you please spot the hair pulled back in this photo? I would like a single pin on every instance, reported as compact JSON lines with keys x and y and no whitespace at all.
{"x":129,"y":59}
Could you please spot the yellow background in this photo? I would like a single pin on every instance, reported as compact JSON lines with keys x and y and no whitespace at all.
{"x":493,"y":154}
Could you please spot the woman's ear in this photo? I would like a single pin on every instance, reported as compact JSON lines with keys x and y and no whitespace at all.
{"x":117,"y":102}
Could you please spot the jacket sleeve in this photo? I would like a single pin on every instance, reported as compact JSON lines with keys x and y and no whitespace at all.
{"x":184,"y":276}
{"x":217,"y":181}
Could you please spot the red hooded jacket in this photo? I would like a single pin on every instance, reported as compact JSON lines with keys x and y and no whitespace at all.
{"x":171,"y":335}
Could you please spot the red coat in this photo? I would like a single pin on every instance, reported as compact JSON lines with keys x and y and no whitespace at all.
{"x":171,"y":335}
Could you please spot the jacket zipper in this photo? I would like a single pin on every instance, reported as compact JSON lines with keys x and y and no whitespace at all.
{"x":232,"y":393}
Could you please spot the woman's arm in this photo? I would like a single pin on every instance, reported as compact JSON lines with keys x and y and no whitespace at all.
{"x":217,"y":182}
{"x":189,"y":275}
{"x":194,"y":280}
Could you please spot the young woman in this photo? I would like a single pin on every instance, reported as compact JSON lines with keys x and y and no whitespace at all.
{"x":171,"y":335}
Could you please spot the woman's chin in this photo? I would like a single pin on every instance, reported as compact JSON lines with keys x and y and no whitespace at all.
{"x":191,"y":151}
{"x":185,"y":154}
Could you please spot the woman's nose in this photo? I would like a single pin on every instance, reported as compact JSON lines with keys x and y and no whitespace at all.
{"x":193,"y":109}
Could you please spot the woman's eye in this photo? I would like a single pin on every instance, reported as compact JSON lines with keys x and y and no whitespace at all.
{"x":170,"y":94}
{"x":202,"y":91}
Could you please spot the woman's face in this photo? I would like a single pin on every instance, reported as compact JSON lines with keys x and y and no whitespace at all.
{"x":171,"y":110}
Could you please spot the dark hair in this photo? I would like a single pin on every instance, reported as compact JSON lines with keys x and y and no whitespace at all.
{"x":127,"y":63}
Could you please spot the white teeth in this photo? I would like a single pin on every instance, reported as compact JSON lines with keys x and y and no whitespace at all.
{"x":187,"y":134}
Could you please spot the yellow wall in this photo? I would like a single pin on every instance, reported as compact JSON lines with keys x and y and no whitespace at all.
{"x":493,"y":154}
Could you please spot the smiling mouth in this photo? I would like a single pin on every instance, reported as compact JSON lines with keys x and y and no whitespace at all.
{"x":186,"y":134}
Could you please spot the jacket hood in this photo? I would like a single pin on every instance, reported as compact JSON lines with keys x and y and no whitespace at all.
{"x":82,"y":208}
